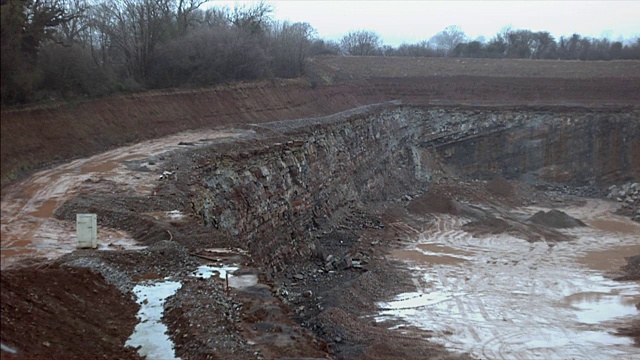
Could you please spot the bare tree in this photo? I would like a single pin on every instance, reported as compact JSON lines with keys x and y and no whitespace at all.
{"x":253,"y":19}
{"x":324,"y":47}
{"x":544,"y":46}
{"x":217,"y":17}
{"x":185,"y":11}
{"x":448,"y":39}
{"x":290,"y":47}
{"x":135,"y":28}
{"x":361,"y":43}
{"x":71,"y":32}
{"x":26,"y":26}
{"x":421,"y":48}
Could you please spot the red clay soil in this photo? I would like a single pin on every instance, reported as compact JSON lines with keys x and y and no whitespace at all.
{"x":34,"y":137}
{"x":66,"y":313}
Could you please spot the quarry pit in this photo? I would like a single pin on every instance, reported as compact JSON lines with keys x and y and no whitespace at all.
{"x":376,"y":230}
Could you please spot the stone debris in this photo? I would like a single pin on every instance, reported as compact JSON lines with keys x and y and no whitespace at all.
{"x":167,"y":175}
{"x":629,"y":196}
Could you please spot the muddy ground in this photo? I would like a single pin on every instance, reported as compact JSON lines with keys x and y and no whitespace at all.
{"x":61,"y":302}
{"x":144,"y":241}
{"x":323,"y":308}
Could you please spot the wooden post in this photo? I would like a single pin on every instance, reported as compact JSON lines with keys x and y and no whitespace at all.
{"x":227,"y":280}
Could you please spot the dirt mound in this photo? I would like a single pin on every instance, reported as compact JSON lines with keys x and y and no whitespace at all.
{"x":632,"y":269}
{"x":432,"y":202}
{"x":487,"y":225}
{"x":500,"y":187}
{"x":631,"y":273}
{"x":555,"y":219}
{"x":632,"y":330}
{"x":65,"y":312}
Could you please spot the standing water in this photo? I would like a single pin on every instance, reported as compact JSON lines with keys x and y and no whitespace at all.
{"x":150,"y":333}
{"x":506,"y":298}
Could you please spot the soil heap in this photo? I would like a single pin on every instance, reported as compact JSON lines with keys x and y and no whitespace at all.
{"x":555,"y":219}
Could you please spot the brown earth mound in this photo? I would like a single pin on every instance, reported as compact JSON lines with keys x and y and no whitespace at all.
{"x":632,"y":330}
{"x":432,"y":202}
{"x":499,"y":186}
{"x":631,"y":273}
{"x":632,"y":269}
{"x":63,"y":313}
{"x":555,"y":219}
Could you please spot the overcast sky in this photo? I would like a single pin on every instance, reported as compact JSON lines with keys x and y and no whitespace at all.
{"x":411,"y":21}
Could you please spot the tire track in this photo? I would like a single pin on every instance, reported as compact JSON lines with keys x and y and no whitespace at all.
{"x":507,"y":300}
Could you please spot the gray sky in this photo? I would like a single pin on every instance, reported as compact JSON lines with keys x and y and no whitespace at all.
{"x":412,"y":21}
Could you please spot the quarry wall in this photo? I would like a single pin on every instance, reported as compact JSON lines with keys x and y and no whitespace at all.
{"x":576,"y":146}
{"x":275,"y":194}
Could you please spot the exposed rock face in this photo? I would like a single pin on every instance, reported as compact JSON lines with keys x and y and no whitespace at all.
{"x":276,"y":194}
{"x":273,"y":193}
{"x":580,"y":147}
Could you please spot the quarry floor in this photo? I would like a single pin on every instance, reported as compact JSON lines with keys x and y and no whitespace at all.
{"x":420,"y":282}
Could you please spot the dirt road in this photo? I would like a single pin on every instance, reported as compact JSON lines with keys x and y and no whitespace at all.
{"x":499,"y":297}
{"x":28,"y":226}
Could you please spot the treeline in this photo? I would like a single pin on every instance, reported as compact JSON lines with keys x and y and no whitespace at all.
{"x":71,"y":48}
{"x":55,"y":49}
{"x":508,"y":43}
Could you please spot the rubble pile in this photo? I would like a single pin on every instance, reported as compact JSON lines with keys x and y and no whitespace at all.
{"x":629,"y":195}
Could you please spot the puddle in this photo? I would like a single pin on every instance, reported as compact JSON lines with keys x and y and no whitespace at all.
{"x":235,"y":281}
{"x":441,"y":249}
{"x":150,"y":333}
{"x":426,"y":253}
{"x":511,"y":299}
{"x":594,"y":338}
{"x":610,"y":259}
{"x":408,"y":302}
{"x":597,"y":307}
{"x":207,"y":271}
{"x":172,"y":215}
{"x":419,"y":257}
{"x":243,"y":281}
{"x":615,"y":226}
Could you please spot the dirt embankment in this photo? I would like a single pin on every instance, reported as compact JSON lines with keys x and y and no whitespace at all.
{"x":47,"y":312}
{"x":35,"y":137}
{"x":38,"y":136}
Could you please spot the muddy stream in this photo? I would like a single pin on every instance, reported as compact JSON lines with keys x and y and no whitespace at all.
{"x":499,"y":297}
